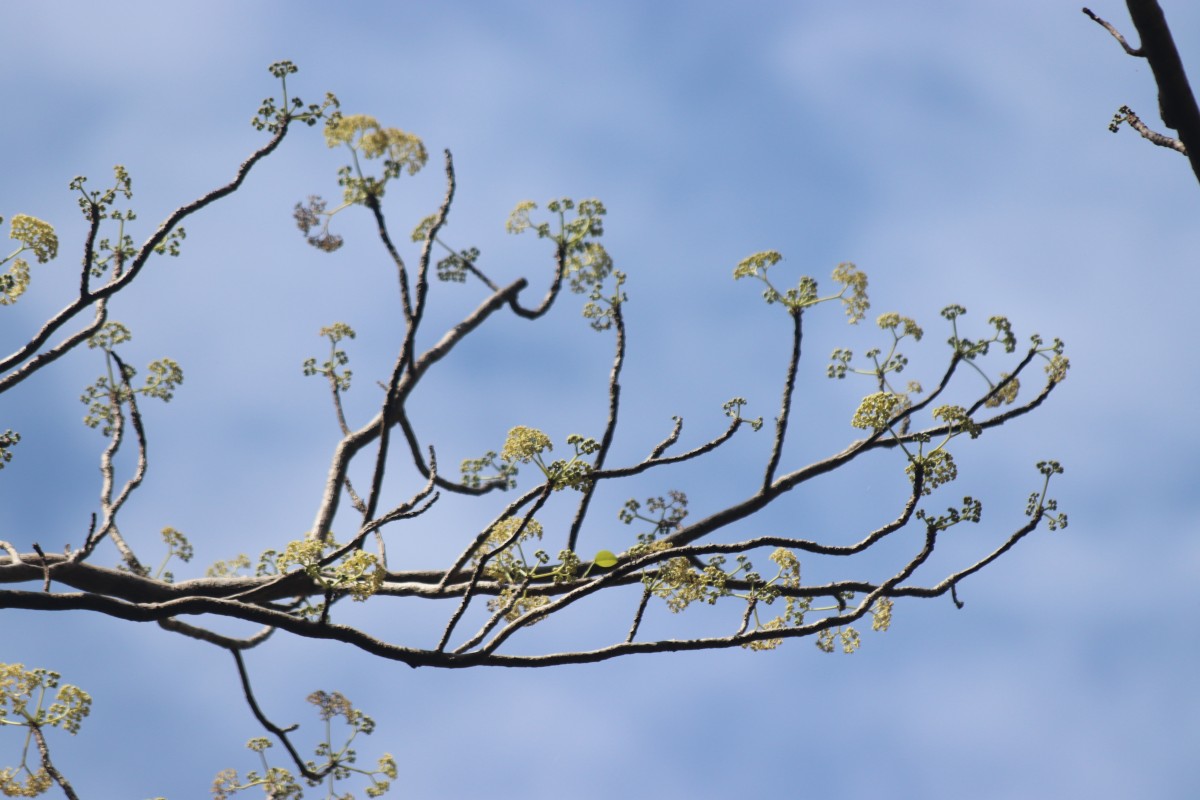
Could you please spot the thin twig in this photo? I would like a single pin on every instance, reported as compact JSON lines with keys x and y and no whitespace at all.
{"x":1116,"y":34}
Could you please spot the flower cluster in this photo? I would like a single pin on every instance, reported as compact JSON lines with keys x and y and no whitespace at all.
{"x":876,"y":410}
{"x":585,"y":262}
{"x":504,"y":472}
{"x":357,"y":572}
{"x":364,"y":137}
{"x":310,"y":216}
{"x":22,"y":695}
{"x":8,"y":439}
{"x":853,"y":294}
{"x":671,"y":511}
{"x":177,"y":547}
{"x":680,"y":584}
{"x":273,"y":117}
{"x":1040,"y":504}
{"x":892,"y":321}
{"x":881,"y":614}
{"x":957,"y":421}
{"x":454,"y":267}
{"x":335,"y":333}
{"x":110,"y":392}
{"x":1057,"y":368}
{"x":971,"y":511}
{"x":795,"y":608}
{"x":733,"y":410}
{"x":362,"y":133}
{"x":937,"y":468}
{"x":854,"y":290}
{"x":526,"y":445}
{"x":19,"y":706}
{"x":971,"y":349}
{"x":847,"y":636}
{"x":515,"y":602}
{"x":1005,"y":392}
{"x":337,"y":763}
{"x":34,"y":235}
{"x":507,"y":562}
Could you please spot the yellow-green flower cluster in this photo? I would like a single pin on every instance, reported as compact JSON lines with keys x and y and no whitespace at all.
{"x":1057,"y":368}
{"x":109,"y":336}
{"x":177,"y":547}
{"x":275,"y":781}
{"x":585,"y":262}
{"x":227,"y":569}
{"x":514,"y":604}
{"x":106,"y":396}
{"x":23,"y":691}
{"x":853,"y":294}
{"x":957,"y":420}
{"x":680,"y":584}
{"x":508,"y":564}
{"x":1007,"y":394}
{"x":756,"y":266}
{"x":357,"y":572}
{"x":340,"y":381}
{"x":796,"y":607}
{"x":937,"y":467}
{"x":363,"y":132}
{"x":519,"y":221}
{"x":14,"y":282}
{"x":35,"y":235}
{"x":8,"y":439}
{"x":733,"y":410}
{"x":760,"y":645}
{"x":876,"y":410}
{"x":854,"y":282}
{"x":847,"y":636}
{"x":971,"y":511}
{"x":524,"y":444}
{"x":881,"y":614}
{"x":473,"y":468}
{"x":338,"y":762}
{"x":892,"y":321}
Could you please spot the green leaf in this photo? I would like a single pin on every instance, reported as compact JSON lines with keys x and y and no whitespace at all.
{"x":605,"y":559}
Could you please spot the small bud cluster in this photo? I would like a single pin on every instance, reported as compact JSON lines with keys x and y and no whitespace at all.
{"x":110,"y":393}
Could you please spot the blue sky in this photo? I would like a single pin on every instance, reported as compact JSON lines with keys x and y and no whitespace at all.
{"x":956,"y":152}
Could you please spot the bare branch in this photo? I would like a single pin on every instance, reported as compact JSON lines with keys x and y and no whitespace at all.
{"x":44,"y":752}
{"x":1115,"y":33}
